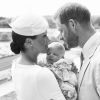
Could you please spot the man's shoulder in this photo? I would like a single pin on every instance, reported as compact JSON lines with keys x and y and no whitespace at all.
{"x":97,"y":53}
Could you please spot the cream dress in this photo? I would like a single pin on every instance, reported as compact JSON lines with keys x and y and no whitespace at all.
{"x":33,"y":82}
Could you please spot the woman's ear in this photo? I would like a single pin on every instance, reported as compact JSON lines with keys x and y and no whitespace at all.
{"x":28,"y":43}
{"x":72,"y":25}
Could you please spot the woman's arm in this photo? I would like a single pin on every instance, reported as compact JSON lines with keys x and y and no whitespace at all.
{"x":48,"y":86}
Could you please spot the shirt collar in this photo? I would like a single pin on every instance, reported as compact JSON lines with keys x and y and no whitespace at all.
{"x":91,"y":45}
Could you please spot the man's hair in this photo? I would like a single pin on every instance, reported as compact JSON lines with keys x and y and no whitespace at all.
{"x":73,"y":11}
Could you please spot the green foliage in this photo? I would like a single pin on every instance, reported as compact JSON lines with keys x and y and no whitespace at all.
{"x":5,"y":37}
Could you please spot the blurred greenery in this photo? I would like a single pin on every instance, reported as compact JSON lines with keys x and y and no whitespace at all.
{"x":4,"y":22}
{"x":6,"y":36}
{"x":95,"y":21}
{"x":10,"y":96}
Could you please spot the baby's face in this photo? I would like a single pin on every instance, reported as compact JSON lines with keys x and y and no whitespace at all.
{"x":55,"y":54}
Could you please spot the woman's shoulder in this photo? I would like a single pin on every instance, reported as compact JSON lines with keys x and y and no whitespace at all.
{"x":45,"y":72}
{"x":46,"y":75}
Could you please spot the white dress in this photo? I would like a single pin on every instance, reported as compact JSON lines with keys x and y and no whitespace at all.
{"x":33,"y":82}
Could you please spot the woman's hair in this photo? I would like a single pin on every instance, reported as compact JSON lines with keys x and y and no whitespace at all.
{"x":18,"y":41}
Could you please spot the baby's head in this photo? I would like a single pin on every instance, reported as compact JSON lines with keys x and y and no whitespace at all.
{"x":56,"y":51}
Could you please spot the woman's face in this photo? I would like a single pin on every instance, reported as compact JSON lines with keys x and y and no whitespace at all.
{"x":40,"y":44}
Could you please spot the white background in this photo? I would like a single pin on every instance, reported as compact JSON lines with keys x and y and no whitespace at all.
{"x":12,"y":8}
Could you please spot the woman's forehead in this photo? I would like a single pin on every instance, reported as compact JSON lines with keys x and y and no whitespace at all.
{"x":45,"y":33}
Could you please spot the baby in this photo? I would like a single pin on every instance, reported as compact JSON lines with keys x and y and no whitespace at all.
{"x":63,"y":69}
{"x":55,"y":52}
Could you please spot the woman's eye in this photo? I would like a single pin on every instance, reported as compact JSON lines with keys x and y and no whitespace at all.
{"x":48,"y":53}
{"x":44,"y":35}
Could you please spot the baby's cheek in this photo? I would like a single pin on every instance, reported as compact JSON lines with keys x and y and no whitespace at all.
{"x":56,"y":58}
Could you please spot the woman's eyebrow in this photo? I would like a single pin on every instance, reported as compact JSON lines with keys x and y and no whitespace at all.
{"x":45,"y":35}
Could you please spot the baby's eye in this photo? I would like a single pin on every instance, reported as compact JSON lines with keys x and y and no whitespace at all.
{"x":55,"y":54}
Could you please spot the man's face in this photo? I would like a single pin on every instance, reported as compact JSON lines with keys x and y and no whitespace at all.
{"x":69,"y":36}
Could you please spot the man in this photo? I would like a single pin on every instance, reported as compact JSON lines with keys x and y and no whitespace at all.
{"x":75,"y":21}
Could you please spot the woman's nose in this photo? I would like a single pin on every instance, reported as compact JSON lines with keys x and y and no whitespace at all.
{"x":47,"y":40}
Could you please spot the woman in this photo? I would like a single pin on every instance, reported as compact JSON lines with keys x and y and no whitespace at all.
{"x":32,"y":82}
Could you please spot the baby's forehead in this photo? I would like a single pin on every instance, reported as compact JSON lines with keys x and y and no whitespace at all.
{"x":56,"y":47}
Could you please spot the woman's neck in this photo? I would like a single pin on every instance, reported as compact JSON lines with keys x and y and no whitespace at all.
{"x":26,"y":60}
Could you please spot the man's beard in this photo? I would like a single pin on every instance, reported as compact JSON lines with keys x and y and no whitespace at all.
{"x":72,"y":40}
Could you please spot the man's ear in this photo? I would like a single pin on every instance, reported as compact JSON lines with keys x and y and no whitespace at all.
{"x":72,"y":25}
{"x":28,"y":43}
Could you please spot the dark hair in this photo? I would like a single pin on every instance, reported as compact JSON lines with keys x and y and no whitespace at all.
{"x":18,"y":41}
{"x":73,"y":11}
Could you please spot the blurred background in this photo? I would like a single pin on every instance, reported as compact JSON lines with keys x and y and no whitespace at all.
{"x":11,"y":9}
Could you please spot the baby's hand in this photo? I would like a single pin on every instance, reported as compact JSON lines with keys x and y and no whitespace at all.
{"x":64,"y":63}
{"x":41,"y":64}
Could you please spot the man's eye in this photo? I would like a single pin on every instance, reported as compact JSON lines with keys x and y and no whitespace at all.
{"x":60,"y":30}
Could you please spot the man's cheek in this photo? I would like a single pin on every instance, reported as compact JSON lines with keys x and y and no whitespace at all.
{"x":65,"y":36}
{"x":72,"y":41}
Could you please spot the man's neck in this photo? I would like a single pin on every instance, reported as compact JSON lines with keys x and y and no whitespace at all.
{"x":85,"y":37}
